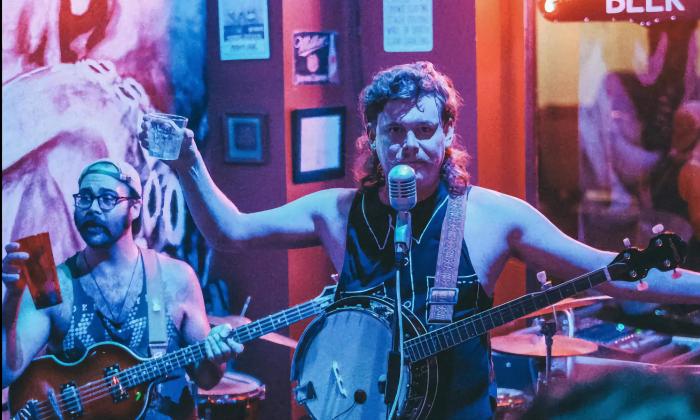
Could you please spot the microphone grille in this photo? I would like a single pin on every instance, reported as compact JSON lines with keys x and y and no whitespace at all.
{"x":399,"y":188}
{"x":402,"y":187}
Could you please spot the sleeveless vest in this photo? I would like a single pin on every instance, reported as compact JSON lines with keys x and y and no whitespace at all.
{"x":88,"y":326}
{"x":466,"y":386}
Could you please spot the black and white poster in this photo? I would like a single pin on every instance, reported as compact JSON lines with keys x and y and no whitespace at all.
{"x":315,"y":58}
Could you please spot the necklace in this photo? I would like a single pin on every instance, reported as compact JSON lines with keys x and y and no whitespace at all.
{"x":99,"y":289}
{"x":389,"y":221}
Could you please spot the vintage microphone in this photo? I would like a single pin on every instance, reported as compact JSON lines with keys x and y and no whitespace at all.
{"x":402,"y":198}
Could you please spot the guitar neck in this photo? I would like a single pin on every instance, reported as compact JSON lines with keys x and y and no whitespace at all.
{"x":160,"y":366}
{"x":441,"y":339}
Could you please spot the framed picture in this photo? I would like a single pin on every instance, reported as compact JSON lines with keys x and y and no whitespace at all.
{"x":317,"y":144}
{"x":243,"y":30}
{"x":315,"y":58}
{"x":245,"y":136}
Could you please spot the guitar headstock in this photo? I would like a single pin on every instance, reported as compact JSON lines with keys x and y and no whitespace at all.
{"x":666,"y":251}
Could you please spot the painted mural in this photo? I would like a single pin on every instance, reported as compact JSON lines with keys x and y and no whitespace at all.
{"x":77,"y":77}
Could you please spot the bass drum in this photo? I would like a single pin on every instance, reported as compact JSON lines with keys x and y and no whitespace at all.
{"x":340,"y":363}
{"x":236,"y":397}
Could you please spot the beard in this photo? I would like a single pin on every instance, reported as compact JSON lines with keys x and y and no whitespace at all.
{"x":100,"y":234}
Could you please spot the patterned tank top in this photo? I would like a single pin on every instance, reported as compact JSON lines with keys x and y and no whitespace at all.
{"x":466,"y":386}
{"x":89,"y":326}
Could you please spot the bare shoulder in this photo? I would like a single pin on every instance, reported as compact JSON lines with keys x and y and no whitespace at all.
{"x":489,"y":203}
{"x":178,"y":275}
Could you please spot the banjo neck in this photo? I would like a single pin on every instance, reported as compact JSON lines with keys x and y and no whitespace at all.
{"x":441,"y":339}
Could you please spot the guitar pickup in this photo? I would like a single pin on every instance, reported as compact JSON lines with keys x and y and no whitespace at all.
{"x":71,"y":398}
{"x":116,"y":388}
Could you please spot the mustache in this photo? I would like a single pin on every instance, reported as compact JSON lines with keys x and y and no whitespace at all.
{"x":92,"y":223}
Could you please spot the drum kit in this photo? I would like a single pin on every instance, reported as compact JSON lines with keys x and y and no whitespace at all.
{"x":512,"y":403}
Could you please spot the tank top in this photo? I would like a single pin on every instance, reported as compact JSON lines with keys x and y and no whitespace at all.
{"x":466,"y":386}
{"x":88,"y":326}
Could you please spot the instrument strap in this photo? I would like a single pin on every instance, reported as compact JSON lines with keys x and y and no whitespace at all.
{"x":157,"y":325}
{"x":443,"y":295}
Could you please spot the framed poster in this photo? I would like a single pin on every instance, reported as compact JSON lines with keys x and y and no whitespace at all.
{"x":243,"y":30}
{"x":315,"y":58}
{"x":408,"y":25}
{"x":245,"y":136}
{"x":317,"y":144}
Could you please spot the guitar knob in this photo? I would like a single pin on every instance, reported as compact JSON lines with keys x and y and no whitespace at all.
{"x":642,"y":285}
{"x":627,"y":243}
{"x":657,"y":229}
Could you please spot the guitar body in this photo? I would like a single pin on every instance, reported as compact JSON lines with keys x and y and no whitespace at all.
{"x":111,"y":382}
{"x":47,"y":376}
{"x":341,"y":359}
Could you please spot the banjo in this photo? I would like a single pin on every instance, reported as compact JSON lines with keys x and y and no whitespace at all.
{"x":335,"y":378}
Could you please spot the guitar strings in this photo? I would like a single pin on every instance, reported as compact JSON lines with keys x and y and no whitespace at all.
{"x":98,"y":389}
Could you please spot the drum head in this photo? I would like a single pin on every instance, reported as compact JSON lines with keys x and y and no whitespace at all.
{"x":342,"y":357}
{"x":236,"y":385}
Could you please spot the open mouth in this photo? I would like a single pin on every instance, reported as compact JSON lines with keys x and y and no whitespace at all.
{"x":93,"y":228}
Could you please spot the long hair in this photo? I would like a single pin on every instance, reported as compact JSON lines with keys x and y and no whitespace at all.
{"x":410,"y":81}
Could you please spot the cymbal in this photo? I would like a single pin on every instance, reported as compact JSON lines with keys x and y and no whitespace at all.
{"x":236,"y":321}
{"x":533,"y":345}
{"x":568,"y":303}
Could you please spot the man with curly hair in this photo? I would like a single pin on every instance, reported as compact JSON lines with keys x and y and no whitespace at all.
{"x":410,"y":112}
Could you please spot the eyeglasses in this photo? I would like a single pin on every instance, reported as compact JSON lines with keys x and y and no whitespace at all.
{"x":106,"y":201}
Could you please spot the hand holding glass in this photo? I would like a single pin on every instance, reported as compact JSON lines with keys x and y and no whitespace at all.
{"x":39,"y":271}
{"x":165,"y":134}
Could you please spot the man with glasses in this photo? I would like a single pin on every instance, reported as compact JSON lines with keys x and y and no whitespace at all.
{"x":104,"y":294}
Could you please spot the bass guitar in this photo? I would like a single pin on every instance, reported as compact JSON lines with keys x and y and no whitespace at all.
{"x":335,"y":378}
{"x":110,"y":381}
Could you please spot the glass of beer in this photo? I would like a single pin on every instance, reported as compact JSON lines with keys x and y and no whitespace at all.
{"x":39,"y":271}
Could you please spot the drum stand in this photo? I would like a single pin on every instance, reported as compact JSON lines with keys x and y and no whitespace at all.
{"x":548,"y":329}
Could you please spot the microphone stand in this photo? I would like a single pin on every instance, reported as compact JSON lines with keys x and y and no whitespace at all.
{"x":394,"y":365}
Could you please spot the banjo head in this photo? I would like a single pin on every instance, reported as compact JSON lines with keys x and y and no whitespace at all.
{"x":340,"y":363}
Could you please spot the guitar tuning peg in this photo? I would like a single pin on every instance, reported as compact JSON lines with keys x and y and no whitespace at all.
{"x":676,"y":274}
{"x":657,"y":229}
{"x":542,"y":278}
{"x":642,"y":285}
{"x":627,"y":243}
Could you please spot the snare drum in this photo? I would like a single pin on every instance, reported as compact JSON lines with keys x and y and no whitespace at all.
{"x":236,"y":397}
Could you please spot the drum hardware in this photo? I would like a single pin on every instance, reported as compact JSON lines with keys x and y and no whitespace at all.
{"x":548,"y":328}
{"x":511,"y":403}
{"x":235,"y":397}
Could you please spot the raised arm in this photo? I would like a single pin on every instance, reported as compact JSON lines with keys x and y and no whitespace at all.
{"x":225,"y":227}
{"x":25,"y":330}
{"x":541,"y":245}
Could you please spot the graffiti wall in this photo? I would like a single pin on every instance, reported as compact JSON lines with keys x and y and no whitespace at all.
{"x":77,"y":77}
